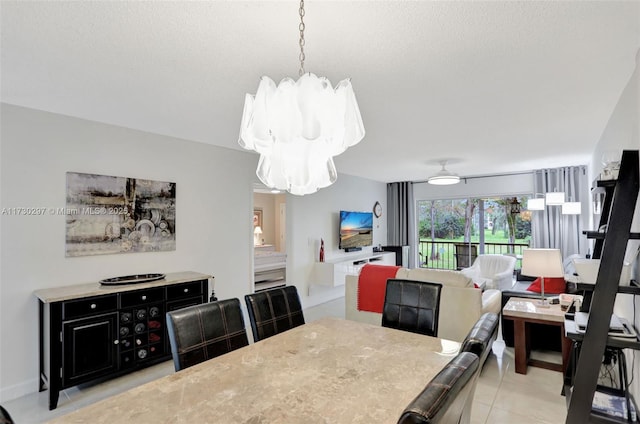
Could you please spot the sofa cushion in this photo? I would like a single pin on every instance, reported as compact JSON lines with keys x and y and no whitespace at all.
{"x":491,"y":299}
{"x":551,"y":285}
{"x":445,"y":277}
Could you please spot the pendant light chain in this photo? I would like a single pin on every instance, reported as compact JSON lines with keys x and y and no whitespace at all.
{"x":301,"y":41}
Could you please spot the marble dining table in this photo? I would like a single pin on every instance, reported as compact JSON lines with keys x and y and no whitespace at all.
{"x":326,"y":371}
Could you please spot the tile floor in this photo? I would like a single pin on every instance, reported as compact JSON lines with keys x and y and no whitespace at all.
{"x":501,"y":397}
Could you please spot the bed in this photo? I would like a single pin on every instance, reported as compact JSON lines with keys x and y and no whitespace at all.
{"x":269,"y":268}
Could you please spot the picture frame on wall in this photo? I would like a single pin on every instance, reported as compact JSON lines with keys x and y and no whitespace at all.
{"x":109,"y":214}
{"x":257,"y":217}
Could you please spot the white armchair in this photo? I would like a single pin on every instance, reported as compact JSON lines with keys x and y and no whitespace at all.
{"x":496,"y":271}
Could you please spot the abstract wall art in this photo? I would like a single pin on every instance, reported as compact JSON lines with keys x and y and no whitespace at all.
{"x":107,"y":214}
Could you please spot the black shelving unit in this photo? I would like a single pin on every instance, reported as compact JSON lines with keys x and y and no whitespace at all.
{"x":605,"y":187}
{"x":632,"y":288}
{"x":610,"y":247}
{"x":600,"y":235}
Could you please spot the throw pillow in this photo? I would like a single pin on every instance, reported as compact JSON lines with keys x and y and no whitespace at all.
{"x":551,"y":285}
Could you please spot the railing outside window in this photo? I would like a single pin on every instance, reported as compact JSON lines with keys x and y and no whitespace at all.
{"x":445,"y":253}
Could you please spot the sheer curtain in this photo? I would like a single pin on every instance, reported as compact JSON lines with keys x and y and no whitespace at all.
{"x":401,"y":222}
{"x":551,"y":229}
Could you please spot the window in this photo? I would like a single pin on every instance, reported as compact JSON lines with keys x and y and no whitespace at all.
{"x":453,"y":232}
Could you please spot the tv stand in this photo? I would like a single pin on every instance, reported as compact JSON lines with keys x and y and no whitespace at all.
{"x":333,"y":272}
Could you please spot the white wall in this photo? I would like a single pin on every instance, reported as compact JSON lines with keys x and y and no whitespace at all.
{"x":316,"y":216}
{"x":213,"y":234}
{"x":623,"y":132}
{"x":214,"y":196}
{"x":623,"y":129}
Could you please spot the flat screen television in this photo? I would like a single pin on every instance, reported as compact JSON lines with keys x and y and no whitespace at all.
{"x":356,"y":230}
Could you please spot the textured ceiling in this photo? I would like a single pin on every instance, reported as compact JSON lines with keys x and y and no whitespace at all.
{"x":494,"y":87}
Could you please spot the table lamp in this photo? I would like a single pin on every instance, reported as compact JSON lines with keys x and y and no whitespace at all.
{"x":257,"y":232}
{"x":542,"y":263}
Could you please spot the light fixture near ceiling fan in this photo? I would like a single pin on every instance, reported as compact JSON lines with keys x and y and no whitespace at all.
{"x":444,"y":177}
{"x":299,"y":126}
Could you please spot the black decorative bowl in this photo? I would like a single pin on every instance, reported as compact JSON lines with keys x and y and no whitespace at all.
{"x":131,"y":279}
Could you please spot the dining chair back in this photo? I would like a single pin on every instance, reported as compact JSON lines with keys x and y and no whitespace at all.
{"x":446,"y":398}
{"x":412,"y":306}
{"x":274,"y":311}
{"x":201,"y":332}
{"x":5,"y":418}
{"x":481,"y":336}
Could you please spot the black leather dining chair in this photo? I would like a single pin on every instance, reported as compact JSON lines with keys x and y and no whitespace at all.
{"x":481,"y":336}
{"x":447,"y":397}
{"x":5,"y":418}
{"x":274,"y":311}
{"x":412,"y":306}
{"x":201,"y":332}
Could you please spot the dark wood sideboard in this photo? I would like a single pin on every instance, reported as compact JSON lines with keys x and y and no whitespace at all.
{"x":91,"y":331}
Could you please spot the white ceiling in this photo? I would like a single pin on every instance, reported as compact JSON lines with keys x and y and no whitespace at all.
{"x":494,"y":87}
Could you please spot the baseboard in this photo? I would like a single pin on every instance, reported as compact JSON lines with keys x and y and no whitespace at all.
{"x":18,"y":390}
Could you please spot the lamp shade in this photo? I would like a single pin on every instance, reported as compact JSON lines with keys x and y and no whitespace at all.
{"x":535,"y":204}
{"x":257,"y":232}
{"x":542,"y":263}
{"x":571,"y":208}
{"x":554,"y":198}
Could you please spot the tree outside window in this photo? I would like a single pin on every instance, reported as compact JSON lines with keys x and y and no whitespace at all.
{"x":484,"y":222}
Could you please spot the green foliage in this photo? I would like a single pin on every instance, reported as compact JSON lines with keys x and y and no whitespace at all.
{"x":424,"y":230}
{"x":523,"y":228}
{"x":448,"y":219}
{"x":451,"y":226}
{"x":503,"y":232}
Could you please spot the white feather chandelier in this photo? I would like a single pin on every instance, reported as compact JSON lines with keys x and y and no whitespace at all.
{"x":297,"y":127}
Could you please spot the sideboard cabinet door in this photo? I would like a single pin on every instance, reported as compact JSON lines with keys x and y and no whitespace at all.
{"x":90,"y":348}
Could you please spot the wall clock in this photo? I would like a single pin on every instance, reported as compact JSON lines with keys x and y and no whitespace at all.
{"x":377,"y":210}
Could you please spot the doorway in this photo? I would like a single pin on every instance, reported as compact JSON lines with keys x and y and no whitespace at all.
{"x":269,"y":239}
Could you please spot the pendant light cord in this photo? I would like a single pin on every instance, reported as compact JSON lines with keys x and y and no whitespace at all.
{"x":301,"y":40}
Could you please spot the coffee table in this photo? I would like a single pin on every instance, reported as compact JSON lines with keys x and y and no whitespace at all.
{"x":522,"y":312}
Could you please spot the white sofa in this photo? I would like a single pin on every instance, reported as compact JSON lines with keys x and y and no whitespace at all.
{"x":461,"y":304}
{"x":494,"y":271}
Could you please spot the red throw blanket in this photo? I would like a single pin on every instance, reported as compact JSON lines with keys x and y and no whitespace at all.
{"x":372,"y":284}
